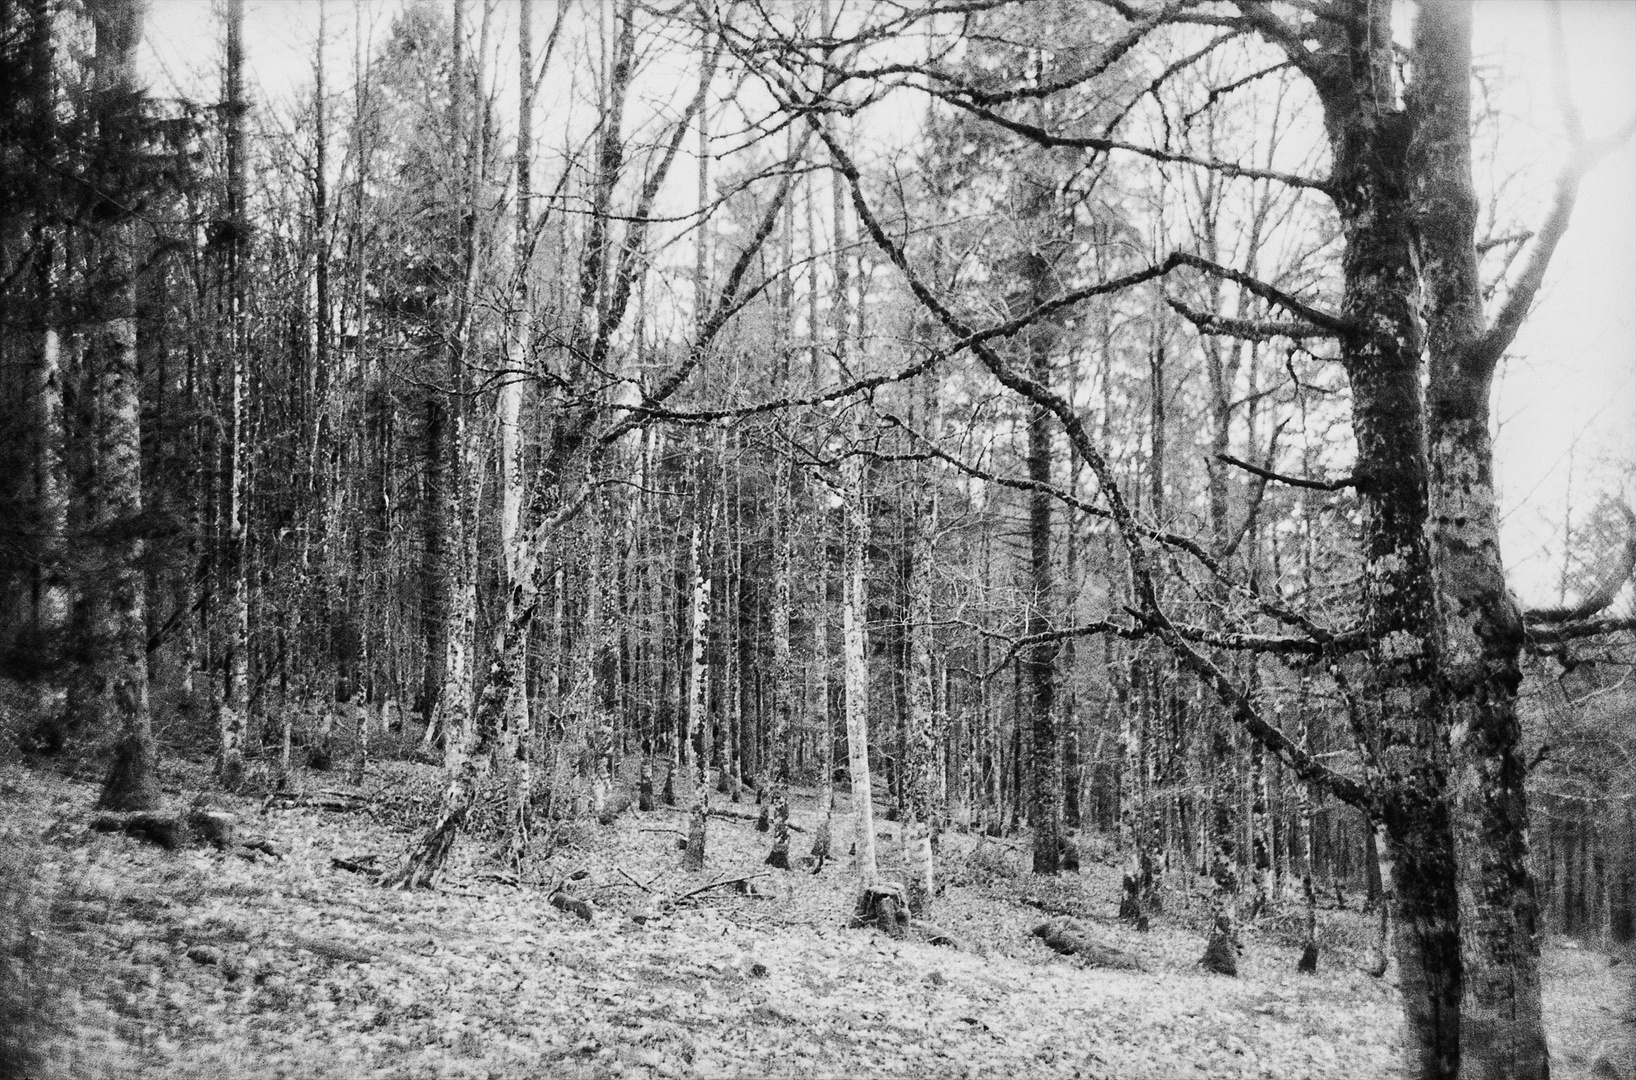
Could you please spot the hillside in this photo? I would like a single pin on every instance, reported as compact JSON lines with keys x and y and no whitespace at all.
{"x":241,"y":963}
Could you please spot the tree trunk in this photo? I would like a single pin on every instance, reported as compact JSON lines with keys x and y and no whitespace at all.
{"x":1480,"y":630}
{"x":1040,"y":664}
{"x":698,"y":693}
{"x":518,"y":741}
{"x":53,"y":604}
{"x":854,"y":618}
{"x":233,"y":716}
{"x":118,"y":631}
{"x":921,"y":767}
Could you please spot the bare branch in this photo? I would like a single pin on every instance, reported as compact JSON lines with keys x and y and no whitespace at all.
{"x":1613,"y":577}
{"x":1334,"y":324}
{"x":1247,"y":329}
{"x":1042,"y":137}
{"x":1292,"y":481}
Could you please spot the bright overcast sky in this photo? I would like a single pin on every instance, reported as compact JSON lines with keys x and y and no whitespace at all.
{"x":1565,"y":405}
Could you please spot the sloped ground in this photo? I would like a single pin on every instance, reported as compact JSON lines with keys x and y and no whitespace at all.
{"x":207,"y":964}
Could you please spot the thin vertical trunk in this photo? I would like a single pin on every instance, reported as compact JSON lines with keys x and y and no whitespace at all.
{"x":1039,"y":665}
{"x":822,"y":833}
{"x":782,"y":692}
{"x":854,"y":618}
{"x":921,"y":767}
{"x":509,"y":405}
{"x":53,"y":599}
{"x":235,"y":699}
{"x":694,"y":736}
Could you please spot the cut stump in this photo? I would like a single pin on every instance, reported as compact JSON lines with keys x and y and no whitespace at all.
{"x":883,"y":905}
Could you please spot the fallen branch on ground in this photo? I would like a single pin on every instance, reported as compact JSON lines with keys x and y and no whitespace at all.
{"x":717,"y":884}
{"x":936,"y":935}
{"x":1071,"y":938}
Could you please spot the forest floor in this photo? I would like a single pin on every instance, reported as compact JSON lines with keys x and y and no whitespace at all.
{"x":205,"y":963}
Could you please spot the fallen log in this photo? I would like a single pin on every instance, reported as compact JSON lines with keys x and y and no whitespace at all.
{"x":724,"y":812}
{"x":1072,"y":938}
{"x":167,"y":830}
{"x":170,"y":829}
{"x":364,"y":864}
{"x":342,"y":804}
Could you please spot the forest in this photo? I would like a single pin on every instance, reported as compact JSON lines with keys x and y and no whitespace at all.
{"x":891,"y":471}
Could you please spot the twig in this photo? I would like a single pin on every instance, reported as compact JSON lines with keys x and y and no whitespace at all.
{"x":718,"y":883}
{"x":1293,"y":481}
{"x":624,"y":874}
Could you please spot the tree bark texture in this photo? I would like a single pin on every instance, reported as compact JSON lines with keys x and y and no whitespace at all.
{"x":118,"y":669}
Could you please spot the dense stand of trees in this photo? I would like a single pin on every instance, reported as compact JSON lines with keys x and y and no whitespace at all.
{"x":1097,"y":445}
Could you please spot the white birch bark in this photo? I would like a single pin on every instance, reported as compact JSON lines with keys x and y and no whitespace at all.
{"x":854,"y":616}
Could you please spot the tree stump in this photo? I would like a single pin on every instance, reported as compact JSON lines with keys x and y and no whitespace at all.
{"x":883,"y":905}
{"x":644,"y":787}
{"x":213,"y":826}
{"x":779,"y":857}
{"x":1308,"y":964}
{"x":820,"y":845}
{"x":1221,"y":951}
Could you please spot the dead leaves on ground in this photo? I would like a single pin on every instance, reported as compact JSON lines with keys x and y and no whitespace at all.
{"x":199,"y":964}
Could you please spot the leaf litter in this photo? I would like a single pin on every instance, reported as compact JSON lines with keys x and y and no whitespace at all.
{"x":201,"y":964}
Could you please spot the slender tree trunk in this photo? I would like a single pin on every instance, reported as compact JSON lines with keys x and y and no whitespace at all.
{"x":53,"y":600}
{"x":509,"y":405}
{"x":234,"y":716}
{"x":782,"y":671}
{"x":695,"y":737}
{"x":1040,"y":664}
{"x":854,"y":616}
{"x":921,"y":765}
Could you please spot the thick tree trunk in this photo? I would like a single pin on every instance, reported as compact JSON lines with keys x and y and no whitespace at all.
{"x":118,"y":632}
{"x":1479,"y":626}
{"x":1382,"y":357}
